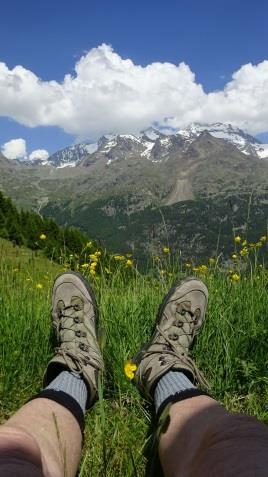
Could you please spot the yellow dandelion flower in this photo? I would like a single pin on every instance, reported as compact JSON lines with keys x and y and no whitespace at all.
{"x":129,"y":263}
{"x":166,"y":250}
{"x":237,"y":239}
{"x":92,"y":271}
{"x":130,"y":369}
{"x":43,"y":237}
{"x":235,"y":277}
{"x":39,"y":286}
{"x":93,"y":265}
{"x":211,"y":261}
{"x":84,"y":265}
{"x":234,"y":256}
{"x":98,"y":253}
{"x":259,"y":244}
{"x":88,"y":244}
{"x":263,"y":238}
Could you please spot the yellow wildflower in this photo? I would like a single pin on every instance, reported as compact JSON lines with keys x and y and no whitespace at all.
{"x":98,"y":253}
{"x":244,"y":251}
{"x":92,"y":271}
{"x":43,"y":237}
{"x":211,"y":261}
{"x":166,"y":250}
{"x":93,"y":257}
{"x":263,"y":238}
{"x":237,"y":239}
{"x":234,"y":256}
{"x":89,"y":244}
{"x":84,"y":265}
{"x":119,"y":258}
{"x":259,"y":244}
{"x":39,"y":286}
{"x":235,"y":277}
{"x":130,"y":369}
{"x":203,"y":269}
{"x":93,"y":265}
{"x":129,"y":263}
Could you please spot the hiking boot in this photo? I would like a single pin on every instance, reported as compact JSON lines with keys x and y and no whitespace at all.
{"x":75,"y":316}
{"x":179,"y":319}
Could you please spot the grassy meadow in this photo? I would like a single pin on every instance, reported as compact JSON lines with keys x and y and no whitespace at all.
{"x":231,"y":350}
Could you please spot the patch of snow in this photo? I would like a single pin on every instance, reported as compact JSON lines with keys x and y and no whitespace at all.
{"x":165,"y":141}
{"x":148,"y":148}
{"x":110,"y":145}
{"x":91,"y":148}
{"x":262,"y":151}
{"x":67,"y":164}
{"x":151,"y":134}
{"x":130,"y":136}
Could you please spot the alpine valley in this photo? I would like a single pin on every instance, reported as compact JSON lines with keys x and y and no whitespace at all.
{"x":190,"y":190}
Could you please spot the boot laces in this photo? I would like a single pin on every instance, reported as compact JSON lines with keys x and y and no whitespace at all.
{"x":75,"y":362}
{"x":170,"y":351}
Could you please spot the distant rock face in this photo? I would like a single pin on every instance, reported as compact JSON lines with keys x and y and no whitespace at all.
{"x":153,"y":145}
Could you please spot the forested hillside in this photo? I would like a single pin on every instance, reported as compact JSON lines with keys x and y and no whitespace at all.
{"x":36,"y":232}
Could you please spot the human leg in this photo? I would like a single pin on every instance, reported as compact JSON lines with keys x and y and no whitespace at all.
{"x":205,"y":440}
{"x":45,"y":435}
{"x":199,"y":436}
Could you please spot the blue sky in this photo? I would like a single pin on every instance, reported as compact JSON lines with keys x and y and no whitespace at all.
{"x":214,"y":38}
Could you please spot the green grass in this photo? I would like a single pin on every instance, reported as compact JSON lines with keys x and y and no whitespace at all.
{"x":231,"y":350}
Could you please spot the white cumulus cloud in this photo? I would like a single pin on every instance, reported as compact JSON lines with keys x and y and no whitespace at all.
{"x":15,"y":149}
{"x":107,"y":93}
{"x":39,"y":154}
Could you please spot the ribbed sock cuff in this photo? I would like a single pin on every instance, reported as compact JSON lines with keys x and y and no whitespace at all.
{"x":66,"y":401}
{"x":72,"y":384}
{"x":174,"y":386}
{"x":177,"y":397}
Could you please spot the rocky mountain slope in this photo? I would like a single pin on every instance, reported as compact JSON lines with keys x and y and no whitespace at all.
{"x":154,"y":145}
{"x":137,"y":192}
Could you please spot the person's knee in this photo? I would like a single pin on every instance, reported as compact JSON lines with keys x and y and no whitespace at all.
{"x":19,"y":454}
{"x":235,"y":445}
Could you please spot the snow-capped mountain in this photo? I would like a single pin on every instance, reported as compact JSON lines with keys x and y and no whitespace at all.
{"x":154,"y":145}
{"x":244,"y":142}
{"x":71,"y":155}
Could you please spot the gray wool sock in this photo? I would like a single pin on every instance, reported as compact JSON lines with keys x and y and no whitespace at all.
{"x":72,"y":384}
{"x":173,"y":382}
